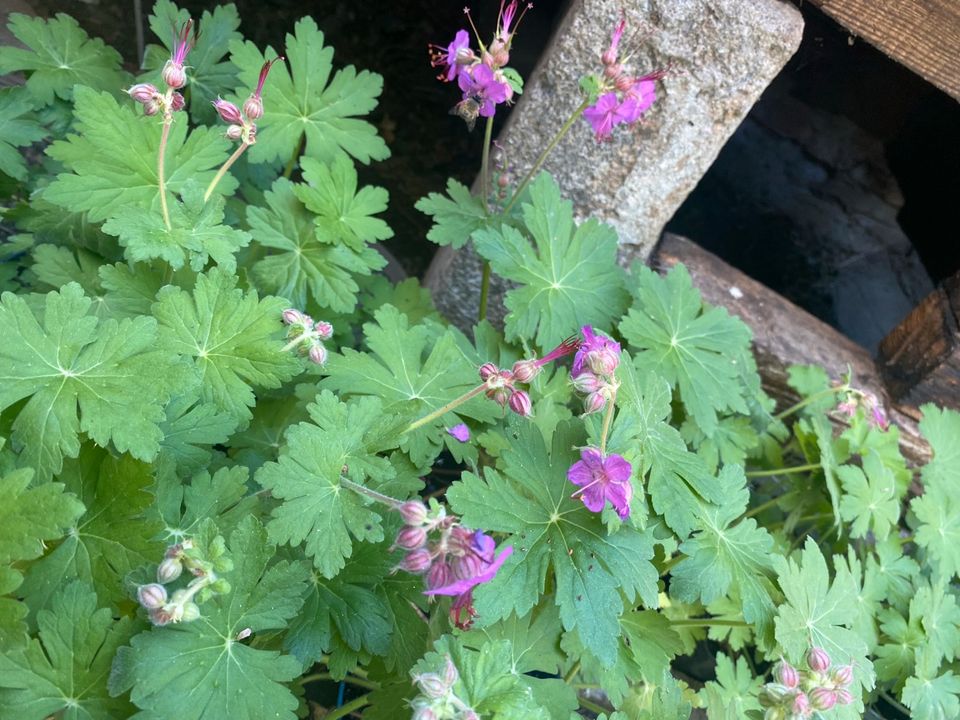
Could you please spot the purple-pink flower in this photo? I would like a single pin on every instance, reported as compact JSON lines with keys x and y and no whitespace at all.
{"x":601,"y":478}
{"x":459,"y":432}
{"x":606,"y":114}
{"x":597,"y":353}
{"x":454,"y":58}
{"x":479,"y":85}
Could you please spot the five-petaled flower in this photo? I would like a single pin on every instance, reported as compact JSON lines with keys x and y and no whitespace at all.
{"x":480,"y":85}
{"x":601,"y":478}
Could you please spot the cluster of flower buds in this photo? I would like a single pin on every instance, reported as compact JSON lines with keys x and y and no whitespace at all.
{"x":482,"y":76}
{"x":202,"y":566}
{"x":502,"y":172}
{"x":174,"y":76}
{"x":798,"y":694}
{"x":452,"y":558}
{"x":502,"y":385}
{"x":306,"y":335}
{"x":437,"y":700}
{"x":241,"y":122}
{"x":856,"y":399}
{"x":622,"y":97}
{"x":594,"y":368}
{"x":155,"y":102}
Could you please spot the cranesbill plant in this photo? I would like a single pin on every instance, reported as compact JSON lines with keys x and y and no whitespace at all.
{"x":217,"y":419}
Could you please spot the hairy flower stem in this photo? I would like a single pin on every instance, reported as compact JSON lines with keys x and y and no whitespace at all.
{"x":348,"y":709}
{"x":783,"y":471}
{"x":161,"y":176}
{"x":607,"y":419}
{"x":372,"y":494}
{"x":485,"y":196}
{"x":813,"y":398}
{"x":543,"y":156}
{"x":223,"y":170}
{"x":291,"y":163}
{"x":445,"y":409}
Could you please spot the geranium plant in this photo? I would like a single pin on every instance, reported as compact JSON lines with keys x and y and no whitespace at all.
{"x":217,"y":418}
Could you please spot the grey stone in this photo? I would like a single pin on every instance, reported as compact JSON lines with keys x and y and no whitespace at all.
{"x":722,"y":54}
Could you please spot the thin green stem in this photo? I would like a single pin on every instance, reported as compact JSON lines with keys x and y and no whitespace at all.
{"x":543,"y":156}
{"x":485,"y":165}
{"x":762,"y":506}
{"x":223,"y":170}
{"x":592,"y":706}
{"x":669,"y":564}
{"x":896,"y":703}
{"x":783,"y":471}
{"x":291,"y":163}
{"x":161,"y":173}
{"x":607,"y":419}
{"x":484,"y":292}
{"x":372,"y":494}
{"x":813,"y":398}
{"x":445,"y":409}
{"x":572,"y":672}
{"x":709,"y":622}
{"x":359,"y":682}
{"x":348,"y":708}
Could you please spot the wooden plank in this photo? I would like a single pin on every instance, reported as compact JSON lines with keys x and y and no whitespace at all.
{"x":923,"y":35}
{"x":784,"y":335}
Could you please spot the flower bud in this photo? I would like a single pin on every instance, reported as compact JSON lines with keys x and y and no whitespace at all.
{"x":844,"y":697}
{"x":603,"y":361}
{"x":413,"y":512}
{"x":439,"y":575}
{"x":323,"y":329}
{"x":221,"y":587}
{"x":520,"y":403}
{"x":161,"y":616}
{"x":525,"y":370}
{"x":466,"y":567}
{"x":773,"y":694}
{"x":800,"y":705}
{"x":786,"y":674}
{"x":234,"y":132}
{"x":612,"y":70}
{"x":487,"y":59}
{"x":432,"y":685}
{"x":191,"y":612}
{"x":624,"y":83}
{"x":417,"y":561}
{"x":143,"y":92}
{"x":411,"y":538}
{"x":499,"y":396}
{"x":822,"y":698}
{"x":818,"y":660}
{"x":317,"y":354}
{"x":488,"y":370}
{"x":842,"y":676}
{"x":450,"y":673}
{"x":177,"y":102}
{"x":501,"y":58}
{"x":594,"y":402}
{"x":150,"y":108}
{"x":169,"y":570}
{"x":609,"y":57}
{"x":228,"y":112}
{"x":152,"y":596}
{"x":586,"y":382}
{"x":424,"y":713}
{"x":174,"y":75}
{"x":253,"y":108}
{"x":291,"y":316}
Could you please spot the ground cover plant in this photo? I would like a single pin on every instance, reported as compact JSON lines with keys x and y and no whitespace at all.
{"x":217,"y":417}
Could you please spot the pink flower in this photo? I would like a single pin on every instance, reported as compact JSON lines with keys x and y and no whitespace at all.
{"x":460,"y":432}
{"x":597,"y":353}
{"x":479,"y":85}
{"x":638,"y":99}
{"x":454,"y":58}
{"x":601,"y":478}
{"x":605,"y":115}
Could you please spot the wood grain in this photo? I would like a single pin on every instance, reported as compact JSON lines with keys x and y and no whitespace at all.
{"x":923,"y":35}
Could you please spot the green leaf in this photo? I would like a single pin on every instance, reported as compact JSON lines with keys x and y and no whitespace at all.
{"x":593,"y":572}
{"x":734,"y":693}
{"x":455,"y":218}
{"x":221,"y":497}
{"x":304,"y":267}
{"x":189,"y":430}
{"x":230,"y":334}
{"x":107,"y":379}
{"x":569,"y":277}
{"x":60,"y":55}
{"x":19,"y":130}
{"x":935,"y":606}
{"x":694,"y":346}
{"x":818,"y":613}
{"x":57,"y":265}
{"x":199,"y":669}
{"x":64,"y":673}
{"x":896,"y":659}
{"x":129,"y":291}
{"x":411,"y":382}
{"x":931,"y":696}
{"x":315,"y":507}
{"x":113,"y":159}
{"x":261,"y":440}
{"x":808,"y":381}
{"x":197,"y":234}
{"x":407,"y":296}
{"x":300,"y":101}
{"x":723,"y":555}
{"x":731,"y":443}
{"x":344,"y":214}
{"x":113,"y":537}
{"x":938,"y":509}
{"x":870,"y":498}
{"x":207,"y":75}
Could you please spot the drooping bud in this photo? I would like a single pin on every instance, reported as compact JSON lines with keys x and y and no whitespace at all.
{"x":604,"y":360}
{"x":143,"y":92}
{"x":228,"y":112}
{"x":786,"y":674}
{"x":822,"y":698}
{"x":323,"y":329}
{"x":413,"y":512}
{"x":411,"y":538}
{"x":191,"y":612}
{"x":467,"y":567}
{"x":586,"y":382}
{"x":520,"y":403}
{"x":432,"y":685}
{"x":594,"y":402}
{"x":450,"y":672}
{"x":234,"y":132}
{"x":844,"y":697}
{"x":439,"y":575}
{"x":151,"y":107}
{"x":291,"y":316}
{"x":842,"y":676}
{"x":818,"y":660}
{"x":488,"y":370}
{"x":499,"y":396}
{"x":177,"y":102}
{"x":152,"y":596}
{"x":800,"y":705}
{"x":417,"y":561}
{"x":624,"y":83}
{"x":317,"y":354}
{"x":525,"y":370}
{"x":174,"y":75}
{"x":169,"y":570}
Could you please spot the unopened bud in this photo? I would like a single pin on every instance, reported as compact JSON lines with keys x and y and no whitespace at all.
{"x":520,"y":403}
{"x":424,"y":713}
{"x":143,"y":92}
{"x":413,"y":512}
{"x":594,"y":402}
{"x":786,"y":674}
{"x":488,"y":370}
{"x":612,"y":70}
{"x":609,"y":57}
{"x":844,"y":697}
{"x":317,"y":354}
{"x":169,"y":570}
{"x":823,"y":699}
{"x":228,"y":112}
{"x":411,"y":538}
{"x":624,"y":83}
{"x":253,"y":108}
{"x":800,"y":705}
{"x":525,"y":370}
{"x":191,"y":612}
{"x":417,"y":561}
{"x":292,"y":316}
{"x":432,"y":685}
{"x":818,"y":660}
{"x":499,"y":396}
{"x":487,"y":59}
{"x":151,"y":107}
{"x":234,"y":132}
{"x":450,"y":672}
{"x":152,"y":596}
{"x":586,"y":382}
{"x":466,"y":567}
{"x":603,"y":361}
{"x":323,"y":329}
{"x":773,"y":694}
{"x":438,"y":576}
{"x":842,"y":676}
{"x":177,"y":102}
{"x":174,"y":75}
{"x":501,"y":58}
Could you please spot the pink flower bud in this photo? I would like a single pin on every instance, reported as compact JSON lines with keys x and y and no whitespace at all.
{"x":609,"y":57}
{"x":323,"y":329}
{"x":613,"y":70}
{"x":487,"y":59}
{"x":603,"y":361}
{"x":432,"y":685}
{"x":525,"y":370}
{"x":177,"y":102}
{"x":234,"y":132}
{"x":499,"y":395}
{"x":161,"y":616}
{"x":586,"y":382}
{"x":450,"y":673}
{"x":292,"y":316}
{"x":424,"y":713}
{"x":467,"y":567}
{"x":417,"y":561}
{"x":786,"y":674}
{"x":501,"y":58}
{"x":594,"y":402}
{"x":520,"y":403}
{"x":151,"y":108}
{"x":822,"y":698}
{"x":174,"y":75}
{"x":439,"y":575}
{"x":844,"y":697}
{"x":191,"y":612}
{"x":818,"y":660}
{"x":317,"y":354}
{"x":143,"y":92}
{"x":152,"y":596}
{"x":842,"y":676}
{"x":228,"y":112}
{"x":800,"y":705}
{"x":253,"y":108}
{"x":488,"y":370}
{"x":413,"y":512}
{"x":169,"y":570}
{"x":624,"y":83}
{"x":411,"y":538}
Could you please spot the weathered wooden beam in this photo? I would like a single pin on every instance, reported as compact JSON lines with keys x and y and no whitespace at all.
{"x":923,"y":35}
{"x":785,"y":335}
